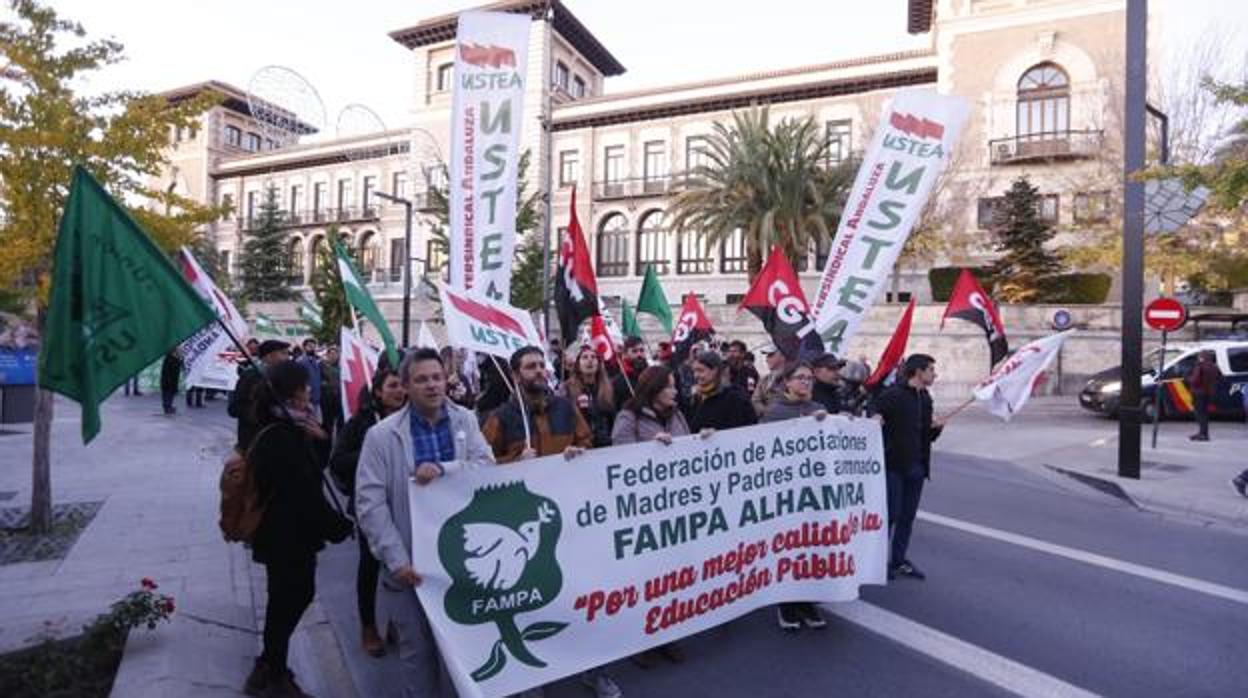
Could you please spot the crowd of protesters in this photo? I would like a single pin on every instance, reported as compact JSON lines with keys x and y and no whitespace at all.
{"x":437,"y":410}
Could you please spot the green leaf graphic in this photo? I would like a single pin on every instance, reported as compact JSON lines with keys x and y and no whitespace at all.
{"x":542,"y":630}
{"x":493,"y":665}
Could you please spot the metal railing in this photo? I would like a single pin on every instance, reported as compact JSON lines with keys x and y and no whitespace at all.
{"x":1050,"y":145}
{"x":634,"y":187}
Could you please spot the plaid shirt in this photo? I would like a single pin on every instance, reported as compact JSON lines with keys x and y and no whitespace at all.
{"x":431,"y":443}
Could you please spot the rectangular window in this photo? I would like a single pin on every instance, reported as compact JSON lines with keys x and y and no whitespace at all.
{"x":561,"y":76}
{"x":987,"y":211}
{"x":1237,"y":361}
{"x":655,"y":166}
{"x":612,"y":247}
{"x":252,"y":199}
{"x":435,"y":256}
{"x":435,"y":176}
{"x":344,"y":198}
{"x":320,"y":199}
{"x":234,"y":136}
{"x":296,"y":199}
{"x":578,"y":87}
{"x":225,"y":263}
{"x":1092,"y":207}
{"x":692,"y":253}
{"x":270,"y":144}
{"x":370,"y":184}
{"x":734,"y":298}
{"x":1048,"y":205}
{"x":732,"y":259}
{"x":840,"y":140}
{"x":397,"y":257}
{"x":696,"y":149}
{"x":253,"y":142}
{"x":569,"y":167}
{"x":446,"y":72}
{"x":613,"y":170}
{"x":398,"y":185}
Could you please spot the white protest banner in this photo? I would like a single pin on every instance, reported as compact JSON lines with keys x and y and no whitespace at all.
{"x":917,"y":135}
{"x":1009,"y":386}
{"x":356,"y":364}
{"x":491,"y":60}
{"x":477,"y":324}
{"x":539,"y":569}
{"x":209,"y":356}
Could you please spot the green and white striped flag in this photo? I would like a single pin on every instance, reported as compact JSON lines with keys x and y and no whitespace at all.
{"x":266,"y":325}
{"x":359,"y":298}
{"x":309,"y":312}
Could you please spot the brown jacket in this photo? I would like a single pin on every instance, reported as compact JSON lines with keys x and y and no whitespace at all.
{"x":553,"y":429}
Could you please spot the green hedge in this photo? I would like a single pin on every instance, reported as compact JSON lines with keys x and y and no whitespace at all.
{"x":942,"y":280}
{"x":1076,"y":288}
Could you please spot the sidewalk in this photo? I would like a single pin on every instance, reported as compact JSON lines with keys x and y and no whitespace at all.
{"x":1057,"y":438}
{"x":157,"y":480}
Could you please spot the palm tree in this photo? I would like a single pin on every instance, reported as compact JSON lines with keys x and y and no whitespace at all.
{"x":776,"y":185}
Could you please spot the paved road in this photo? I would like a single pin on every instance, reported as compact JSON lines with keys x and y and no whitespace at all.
{"x":1036,"y":585}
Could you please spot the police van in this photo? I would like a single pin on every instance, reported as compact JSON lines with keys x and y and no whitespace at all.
{"x":1103,"y":390}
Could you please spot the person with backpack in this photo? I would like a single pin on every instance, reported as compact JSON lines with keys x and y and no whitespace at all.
{"x":295,"y":519}
{"x":385,"y":397}
{"x":798,"y":380}
{"x":270,"y":352}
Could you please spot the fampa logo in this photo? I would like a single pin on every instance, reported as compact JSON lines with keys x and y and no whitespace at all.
{"x":488,"y":56}
{"x":500,"y":554}
{"x":915,"y":126}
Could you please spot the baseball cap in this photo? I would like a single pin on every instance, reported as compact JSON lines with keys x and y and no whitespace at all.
{"x":827,"y":360}
{"x":269,"y":346}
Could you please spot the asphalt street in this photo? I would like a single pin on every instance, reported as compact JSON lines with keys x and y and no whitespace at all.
{"x":1036,"y":585}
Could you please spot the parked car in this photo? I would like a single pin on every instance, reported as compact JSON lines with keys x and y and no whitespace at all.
{"x":1103,"y":391}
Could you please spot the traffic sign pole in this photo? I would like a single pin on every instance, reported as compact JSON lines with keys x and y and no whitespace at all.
{"x":1165,"y":315}
{"x":1161,"y":364}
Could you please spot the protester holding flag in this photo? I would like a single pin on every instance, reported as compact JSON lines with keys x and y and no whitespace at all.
{"x":798,"y":381}
{"x":588,"y":387}
{"x":385,"y":397}
{"x":420,"y":441}
{"x":716,"y":403}
{"x":297,"y":519}
{"x":271,"y":352}
{"x":458,"y":387}
{"x":632,"y":362}
{"x":554,"y":425}
{"x":905,"y":408}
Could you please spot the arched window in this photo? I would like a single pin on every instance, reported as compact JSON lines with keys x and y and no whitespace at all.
{"x":693,"y":253}
{"x":652,"y":247}
{"x":732,"y":258}
{"x":1043,"y":110}
{"x":366,"y":253}
{"x":612,"y":246}
{"x":316,"y":250}
{"x":296,"y":262}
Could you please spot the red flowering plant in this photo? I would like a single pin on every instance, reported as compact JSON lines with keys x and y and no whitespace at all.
{"x":141,"y":607}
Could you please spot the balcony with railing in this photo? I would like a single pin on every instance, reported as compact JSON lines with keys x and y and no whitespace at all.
{"x":1046,"y":146}
{"x":634,"y":187}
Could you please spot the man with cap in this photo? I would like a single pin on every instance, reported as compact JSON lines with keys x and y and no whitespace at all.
{"x":770,"y":387}
{"x":828,"y":382}
{"x":271,"y":352}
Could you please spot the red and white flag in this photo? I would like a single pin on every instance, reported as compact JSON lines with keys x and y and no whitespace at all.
{"x":1008,"y":388}
{"x":210,"y":356}
{"x":356,"y":364}
{"x":600,"y":339}
{"x":476,"y":323}
{"x":692,"y":327}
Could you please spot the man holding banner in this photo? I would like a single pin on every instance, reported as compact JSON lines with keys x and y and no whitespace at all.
{"x":419,"y":443}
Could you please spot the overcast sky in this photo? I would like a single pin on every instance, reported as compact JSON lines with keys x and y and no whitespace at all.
{"x":342,"y":48}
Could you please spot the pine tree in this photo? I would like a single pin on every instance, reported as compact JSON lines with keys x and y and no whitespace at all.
{"x":264,"y":265}
{"x":327,"y":288}
{"x":1021,"y":233}
{"x":526,"y":275}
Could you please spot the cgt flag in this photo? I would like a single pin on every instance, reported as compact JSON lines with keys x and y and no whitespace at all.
{"x":117,"y":303}
{"x":692,"y":327}
{"x":1009,"y":386}
{"x":970,"y":303}
{"x":777,"y":300}
{"x":600,"y":339}
{"x":477,"y":324}
{"x":576,"y":289}
{"x":356,"y":364}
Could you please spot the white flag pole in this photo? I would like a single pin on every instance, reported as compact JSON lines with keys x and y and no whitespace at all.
{"x":515,"y":390}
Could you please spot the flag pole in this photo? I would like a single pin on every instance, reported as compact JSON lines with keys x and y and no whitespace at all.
{"x":950,"y":415}
{"x":528,"y":439}
{"x":623,"y":371}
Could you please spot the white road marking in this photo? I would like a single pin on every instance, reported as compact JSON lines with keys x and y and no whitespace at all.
{"x":1149,"y":573}
{"x":992,"y":668}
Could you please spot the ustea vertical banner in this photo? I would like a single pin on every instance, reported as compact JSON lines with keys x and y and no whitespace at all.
{"x":912,"y":145}
{"x":491,"y":60}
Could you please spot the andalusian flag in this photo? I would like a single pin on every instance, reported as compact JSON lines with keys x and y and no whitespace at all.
{"x":266,"y":325}
{"x":309,"y":313}
{"x":117,"y":302}
{"x":359,"y":298}
{"x":652,"y":300}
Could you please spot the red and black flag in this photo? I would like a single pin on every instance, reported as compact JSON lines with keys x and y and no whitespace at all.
{"x":576,"y":289}
{"x":692,"y":327}
{"x":777,"y":300}
{"x":970,"y":303}
{"x":895,"y":351}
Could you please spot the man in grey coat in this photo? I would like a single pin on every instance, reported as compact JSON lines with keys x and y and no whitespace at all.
{"x":425,"y":440}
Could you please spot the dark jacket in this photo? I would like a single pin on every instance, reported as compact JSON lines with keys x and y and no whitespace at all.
{"x":600,"y":419}
{"x":908,"y":430}
{"x":828,"y":395}
{"x":297,"y":517}
{"x":554,"y":429}
{"x":344,"y":460}
{"x":745,"y":378}
{"x":170,"y":373}
{"x":240,"y":407}
{"x":1204,"y":378}
{"x":726,"y":408}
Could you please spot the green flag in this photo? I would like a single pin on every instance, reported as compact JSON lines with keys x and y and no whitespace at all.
{"x":309,"y":313}
{"x":117,"y":302}
{"x":628,"y":320}
{"x":358,"y":297}
{"x":653,"y":301}
{"x":266,"y":325}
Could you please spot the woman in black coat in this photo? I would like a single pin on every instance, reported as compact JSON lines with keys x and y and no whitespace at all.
{"x":297,"y":519}
{"x":385,"y":398}
{"x":170,"y":374}
{"x":715,"y":403}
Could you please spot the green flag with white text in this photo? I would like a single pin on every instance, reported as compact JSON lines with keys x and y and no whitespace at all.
{"x":653,"y":301}
{"x":359,"y":298}
{"x":117,"y":302}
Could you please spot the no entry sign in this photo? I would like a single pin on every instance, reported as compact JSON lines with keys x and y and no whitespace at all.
{"x":1165,"y":315}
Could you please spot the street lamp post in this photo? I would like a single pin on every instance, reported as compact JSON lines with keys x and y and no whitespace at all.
{"x":407,"y":263}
